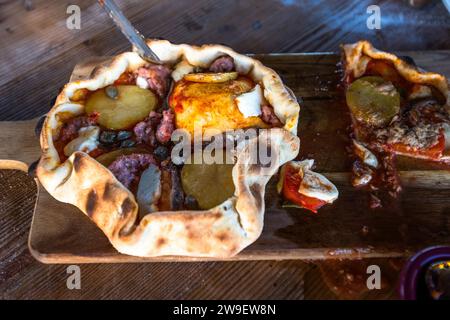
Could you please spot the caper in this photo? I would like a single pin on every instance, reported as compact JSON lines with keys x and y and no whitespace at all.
{"x":373,"y":101}
{"x":112,"y":92}
{"x":161,"y":152}
{"x":124,"y":135}
{"x":127,"y":144}
{"x":108,"y":137}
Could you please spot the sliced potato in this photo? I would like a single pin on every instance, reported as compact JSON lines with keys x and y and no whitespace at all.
{"x":209,"y":184}
{"x":211,"y":77}
{"x":131,"y":105}
{"x":107,"y":158}
{"x":373,"y":101}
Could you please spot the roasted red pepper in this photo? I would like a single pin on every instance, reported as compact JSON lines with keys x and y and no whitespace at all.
{"x":291,"y":183}
{"x":434,"y":152}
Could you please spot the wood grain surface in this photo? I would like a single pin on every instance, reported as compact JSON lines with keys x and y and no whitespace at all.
{"x":60,"y":233}
{"x":37,"y":55}
{"x":22,"y":277}
{"x":38,"y":51}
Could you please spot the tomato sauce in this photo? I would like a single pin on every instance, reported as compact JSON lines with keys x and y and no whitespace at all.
{"x":126,"y":78}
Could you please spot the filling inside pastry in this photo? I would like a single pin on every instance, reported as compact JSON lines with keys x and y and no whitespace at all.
{"x":128,"y":126}
{"x":392,"y":116}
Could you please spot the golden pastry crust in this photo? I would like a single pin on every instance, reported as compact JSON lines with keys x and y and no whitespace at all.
{"x":219,"y":232}
{"x":357,"y":56}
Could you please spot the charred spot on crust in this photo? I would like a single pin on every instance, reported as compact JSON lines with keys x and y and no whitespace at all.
{"x":108,"y":193}
{"x":254,"y":169}
{"x":409,"y":60}
{"x":188,"y":217}
{"x":255,"y":189}
{"x":191,"y":235}
{"x":97,"y":70}
{"x":32,"y":168}
{"x":233,"y":248}
{"x":125,"y":232}
{"x":216,"y":215}
{"x":77,"y":162}
{"x":127,"y":207}
{"x":223,"y":236}
{"x":91,"y":202}
{"x":160,"y":242}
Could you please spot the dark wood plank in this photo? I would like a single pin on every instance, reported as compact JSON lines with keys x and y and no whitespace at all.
{"x":22,"y":277}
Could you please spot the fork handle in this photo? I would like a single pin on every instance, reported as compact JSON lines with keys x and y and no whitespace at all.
{"x":136,"y":39}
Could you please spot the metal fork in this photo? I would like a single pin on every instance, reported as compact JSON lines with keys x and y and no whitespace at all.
{"x":136,"y":39}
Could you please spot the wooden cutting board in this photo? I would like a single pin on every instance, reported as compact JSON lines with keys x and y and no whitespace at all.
{"x":60,"y":233}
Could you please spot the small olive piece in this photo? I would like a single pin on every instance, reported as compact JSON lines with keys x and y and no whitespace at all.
{"x":373,"y":101}
{"x":161,"y":152}
{"x":124,"y":135}
{"x":112,"y":92}
{"x":108,"y":137}
{"x":127,"y":144}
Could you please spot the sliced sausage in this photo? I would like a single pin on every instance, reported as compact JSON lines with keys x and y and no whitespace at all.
{"x":222,"y":64}
{"x":127,"y":168}
{"x":166,"y":126}
{"x":145,"y":131}
{"x":269,"y":117}
{"x":157,"y":77}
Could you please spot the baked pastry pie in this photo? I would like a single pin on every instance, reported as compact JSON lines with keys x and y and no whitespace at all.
{"x":108,"y":148}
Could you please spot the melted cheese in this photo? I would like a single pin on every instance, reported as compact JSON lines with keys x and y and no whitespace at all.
{"x":86,"y":141}
{"x":142,"y":83}
{"x":211,"y":106}
{"x":315,"y":185}
{"x":249,"y":103}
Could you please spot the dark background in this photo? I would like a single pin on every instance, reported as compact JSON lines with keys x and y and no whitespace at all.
{"x":37,"y":55}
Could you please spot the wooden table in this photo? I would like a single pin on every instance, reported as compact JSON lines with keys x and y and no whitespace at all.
{"x":37,"y":56}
